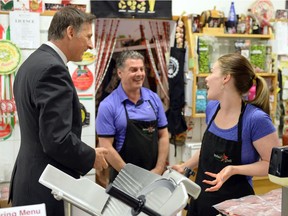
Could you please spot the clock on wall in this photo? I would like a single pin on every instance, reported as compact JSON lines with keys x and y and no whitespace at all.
{"x":263,"y":8}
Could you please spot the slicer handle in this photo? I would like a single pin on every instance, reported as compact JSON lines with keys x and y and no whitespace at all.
{"x":137,"y":204}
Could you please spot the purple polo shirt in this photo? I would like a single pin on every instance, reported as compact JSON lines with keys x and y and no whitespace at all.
{"x":111,"y":119}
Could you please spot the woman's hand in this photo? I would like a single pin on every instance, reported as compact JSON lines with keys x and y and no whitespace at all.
{"x":220,"y":178}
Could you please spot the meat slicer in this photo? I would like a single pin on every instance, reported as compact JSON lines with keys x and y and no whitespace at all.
{"x":278,"y":173}
{"x":135,"y":191}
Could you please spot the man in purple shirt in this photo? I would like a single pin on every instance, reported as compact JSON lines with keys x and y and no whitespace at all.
{"x":131,"y":121}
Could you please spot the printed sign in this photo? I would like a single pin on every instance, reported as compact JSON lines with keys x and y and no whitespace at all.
{"x":152,"y":9}
{"x":10,"y":57}
{"x":30,"y":210}
{"x":25,"y":29}
{"x":82,"y":78}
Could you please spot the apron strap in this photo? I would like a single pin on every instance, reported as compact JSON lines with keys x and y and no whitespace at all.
{"x":213,"y":117}
{"x":126,"y":112}
{"x":240,"y":121}
{"x":243,"y":107}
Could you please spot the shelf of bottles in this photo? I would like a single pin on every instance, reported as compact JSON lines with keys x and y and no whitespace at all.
{"x":237,"y":34}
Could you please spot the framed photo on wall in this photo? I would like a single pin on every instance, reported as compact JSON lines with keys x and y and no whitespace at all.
{"x":281,"y":14}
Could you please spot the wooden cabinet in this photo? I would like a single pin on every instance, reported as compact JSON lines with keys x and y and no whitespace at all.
{"x":227,"y":43}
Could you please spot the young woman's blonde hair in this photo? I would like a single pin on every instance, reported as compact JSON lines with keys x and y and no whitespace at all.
{"x":244,"y":75}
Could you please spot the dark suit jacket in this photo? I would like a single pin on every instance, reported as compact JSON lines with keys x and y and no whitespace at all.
{"x":50,"y":124}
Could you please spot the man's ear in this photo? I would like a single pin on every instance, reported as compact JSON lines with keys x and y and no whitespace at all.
{"x":70,"y":32}
{"x":119,"y":73}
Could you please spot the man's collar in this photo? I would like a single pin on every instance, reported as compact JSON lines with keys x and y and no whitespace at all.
{"x":59,"y":52}
{"x":123,"y":96}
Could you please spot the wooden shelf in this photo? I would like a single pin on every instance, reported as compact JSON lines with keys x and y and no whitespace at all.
{"x":202,"y":74}
{"x":267,"y":74}
{"x":258,"y":36}
{"x":199,"y":115}
{"x":279,"y":20}
{"x":4,"y":12}
{"x":48,"y":13}
{"x":45,"y":13}
{"x":264,"y":74}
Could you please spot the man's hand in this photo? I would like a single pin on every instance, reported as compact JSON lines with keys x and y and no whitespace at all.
{"x":100,"y":161}
{"x":158,"y":170}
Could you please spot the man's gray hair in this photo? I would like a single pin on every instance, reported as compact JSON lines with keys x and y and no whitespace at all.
{"x":129,"y":54}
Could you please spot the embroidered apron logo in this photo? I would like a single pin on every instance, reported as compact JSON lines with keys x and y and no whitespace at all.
{"x":149,"y":129}
{"x":223,"y":158}
{"x":173,"y":67}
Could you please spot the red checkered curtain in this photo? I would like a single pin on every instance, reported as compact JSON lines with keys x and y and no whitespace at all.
{"x":105,"y":40}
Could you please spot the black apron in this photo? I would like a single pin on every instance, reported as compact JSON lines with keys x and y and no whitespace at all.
{"x":140,"y":146}
{"x":217,"y":153}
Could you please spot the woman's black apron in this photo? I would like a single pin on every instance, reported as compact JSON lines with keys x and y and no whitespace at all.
{"x":140,"y":146}
{"x":217,"y":153}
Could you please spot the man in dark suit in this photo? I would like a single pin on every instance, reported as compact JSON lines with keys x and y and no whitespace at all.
{"x":49,"y":113}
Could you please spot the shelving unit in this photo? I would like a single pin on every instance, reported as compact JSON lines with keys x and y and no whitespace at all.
{"x":192,"y":42}
{"x":257,"y":36}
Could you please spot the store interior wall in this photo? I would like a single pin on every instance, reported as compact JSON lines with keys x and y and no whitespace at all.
{"x":9,"y":148}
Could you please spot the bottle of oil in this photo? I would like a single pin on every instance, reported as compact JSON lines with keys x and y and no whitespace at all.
{"x":232,"y":20}
{"x":249,"y":22}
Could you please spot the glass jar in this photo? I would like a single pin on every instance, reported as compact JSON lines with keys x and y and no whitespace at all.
{"x":203,"y":56}
{"x":258,"y":56}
